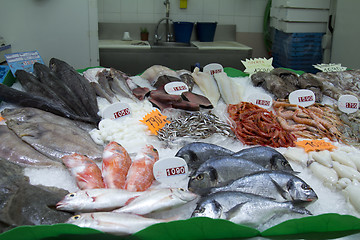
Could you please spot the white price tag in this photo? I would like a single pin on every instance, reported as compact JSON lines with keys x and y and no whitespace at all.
{"x":261,"y":100}
{"x":302,"y":97}
{"x":348,"y":103}
{"x":331,"y":67}
{"x":117,"y":111}
{"x":170,"y":171}
{"x":213,"y":68}
{"x":176,"y":88}
{"x":258,"y":65}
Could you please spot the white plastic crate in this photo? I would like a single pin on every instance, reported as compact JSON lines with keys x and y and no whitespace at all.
{"x":300,"y":14}
{"x":298,"y":27}
{"x":317,"y":4}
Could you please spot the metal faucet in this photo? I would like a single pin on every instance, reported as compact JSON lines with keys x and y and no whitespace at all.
{"x":168,"y":34}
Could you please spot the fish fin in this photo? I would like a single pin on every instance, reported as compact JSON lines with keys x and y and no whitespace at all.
{"x":299,"y":209}
{"x":282,"y":191}
{"x":235,"y":210}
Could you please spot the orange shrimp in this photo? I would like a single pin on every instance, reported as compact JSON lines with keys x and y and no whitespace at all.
{"x":140,"y":175}
{"x":86,"y":172}
{"x":115,"y":165}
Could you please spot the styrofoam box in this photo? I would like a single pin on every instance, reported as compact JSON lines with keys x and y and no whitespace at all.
{"x":298,"y":27}
{"x":319,"y":4}
{"x":300,"y":14}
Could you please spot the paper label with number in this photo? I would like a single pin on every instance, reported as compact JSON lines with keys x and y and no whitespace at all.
{"x":23,"y":60}
{"x":117,"y":111}
{"x":315,"y":145}
{"x":176,"y":88}
{"x":258,"y":65}
{"x":302,"y":97}
{"x":155,"y":121}
{"x":261,"y":99}
{"x":348,"y":103}
{"x":332,"y":67}
{"x":170,"y":171}
{"x":213,"y":68}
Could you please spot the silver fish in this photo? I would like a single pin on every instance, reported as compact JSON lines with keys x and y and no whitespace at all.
{"x":100,"y":199}
{"x":278,"y":185}
{"x":243,"y":208}
{"x":157,"y":200}
{"x":113,"y":223}
{"x":119,"y":84}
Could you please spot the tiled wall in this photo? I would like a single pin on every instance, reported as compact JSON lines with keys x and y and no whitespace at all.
{"x":247,"y":15}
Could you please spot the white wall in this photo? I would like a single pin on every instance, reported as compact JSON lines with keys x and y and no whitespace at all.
{"x":63,"y":29}
{"x":246,"y":14}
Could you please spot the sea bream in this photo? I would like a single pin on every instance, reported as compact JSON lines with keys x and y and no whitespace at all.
{"x":157,"y":200}
{"x":243,"y":208}
{"x":113,"y":223}
{"x":99,"y":199}
{"x":278,"y":185}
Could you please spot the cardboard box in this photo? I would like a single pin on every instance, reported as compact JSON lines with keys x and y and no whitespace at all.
{"x":300,"y":14}
{"x":317,"y":4}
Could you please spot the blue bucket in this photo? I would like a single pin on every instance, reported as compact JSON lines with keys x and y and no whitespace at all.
{"x":206,"y":31}
{"x":183,"y":31}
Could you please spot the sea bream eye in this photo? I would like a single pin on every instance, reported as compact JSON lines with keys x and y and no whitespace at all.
{"x":305,"y":186}
{"x":76,"y":217}
{"x":72,"y":195}
{"x":199,"y":177}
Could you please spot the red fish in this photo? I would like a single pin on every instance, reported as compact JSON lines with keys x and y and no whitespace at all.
{"x":115,"y":165}
{"x":86,"y":172}
{"x":140,"y":175}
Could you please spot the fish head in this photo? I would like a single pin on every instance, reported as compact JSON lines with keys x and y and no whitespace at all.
{"x":81,"y":220}
{"x":204,"y":178}
{"x":280,"y":163}
{"x":300,"y":191}
{"x":210,"y":208}
{"x":183,"y":195}
{"x":151,"y":152}
{"x":75,"y":200}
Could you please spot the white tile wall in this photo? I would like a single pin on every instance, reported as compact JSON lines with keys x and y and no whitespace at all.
{"x":246,"y":14}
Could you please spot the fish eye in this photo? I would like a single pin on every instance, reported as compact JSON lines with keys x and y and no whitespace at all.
{"x":181,"y":189}
{"x":199,"y":177}
{"x":201,"y":210}
{"x":284,"y":163}
{"x":76,"y":217}
{"x":305,"y":186}
{"x":154,"y":150}
{"x":72,"y":195}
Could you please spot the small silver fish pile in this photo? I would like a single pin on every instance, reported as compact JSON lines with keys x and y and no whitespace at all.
{"x":198,"y":125}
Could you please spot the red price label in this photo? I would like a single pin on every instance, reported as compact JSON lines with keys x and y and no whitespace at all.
{"x":262,"y":102}
{"x":155,"y":121}
{"x":351,"y":105}
{"x":175,"y":171}
{"x":179,"y":88}
{"x":121,"y":113}
{"x":305,"y":99}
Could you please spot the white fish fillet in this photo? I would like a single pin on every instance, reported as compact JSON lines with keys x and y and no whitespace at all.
{"x":230,"y":90}
{"x":207,"y":85}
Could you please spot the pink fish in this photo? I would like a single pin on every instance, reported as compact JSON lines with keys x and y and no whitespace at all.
{"x":86,"y":172}
{"x":115,"y":165}
{"x":140,"y":175}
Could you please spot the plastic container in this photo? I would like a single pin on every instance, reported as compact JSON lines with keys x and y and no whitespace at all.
{"x":183,"y":31}
{"x":206,"y":31}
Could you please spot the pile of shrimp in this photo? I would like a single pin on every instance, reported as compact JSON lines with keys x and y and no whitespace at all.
{"x":254,"y":125}
{"x":313,"y":122}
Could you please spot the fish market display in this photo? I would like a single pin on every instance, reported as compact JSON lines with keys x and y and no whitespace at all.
{"x":316,"y":121}
{"x":207,"y":84}
{"x":243,"y":208}
{"x":114,"y":223}
{"x":13,"y":149}
{"x":87,"y":173}
{"x":277,"y":185}
{"x":157,"y":200}
{"x":350,"y":127}
{"x":25,"y":204}
{"x":231,"y":91}
{"x":115,"y":165}
{"x":99,"y":199}
{"x":198,"y":125}
{"x":254,"y":125}
{"x":140,"y":175}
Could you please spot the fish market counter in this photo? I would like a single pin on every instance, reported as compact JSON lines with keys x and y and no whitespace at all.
{"x":134,"y":59}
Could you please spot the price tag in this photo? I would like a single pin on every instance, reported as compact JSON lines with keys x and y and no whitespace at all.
{"x":261,"y":99}
{"x":170,"y":171}
{"x":302,"y":97}
{"x":348,"y":103}
{"x":332,"y":67}
{"x":213,"y":68}
{"x":258,"y":65}
{"x":117,"y":111}
{"x":23,"y":60}
{"x":176,"y":88}
{"x":2,"y":120}
{"x":315,"y":145}
{"x":155,"y":121}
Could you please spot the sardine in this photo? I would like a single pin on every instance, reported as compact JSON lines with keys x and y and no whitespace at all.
{"x":113,"y":223}
{"x":278,"y":185}
{"x":100,"y":199}
{"x":266,"y":157}
{"x":219,"y":171}
{"x":243,"y":208}
{"x":157,"y":200}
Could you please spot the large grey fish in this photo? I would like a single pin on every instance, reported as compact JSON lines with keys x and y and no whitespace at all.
{"x":197,"y":153}
{"x":24,"y":99}
{"x":243,"y":208}
{"x":219,"y":171}
{"x":266,"y":157}
{"x":56,"y":141}
{"x":78,"y":84}
{"x":278,"y":185}
{"x":13,"y":149}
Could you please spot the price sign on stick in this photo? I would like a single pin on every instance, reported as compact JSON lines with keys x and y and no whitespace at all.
{"x":258,"y":65}
{"x":117,"y":111}
{"x":155,"y":121}
{"x":315,"y":145}
{"x":170,"y":171}
{"x":348,"y":103}
{"x":332,"y":67}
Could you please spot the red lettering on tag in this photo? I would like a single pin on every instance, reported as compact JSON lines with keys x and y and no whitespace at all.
{"x":262,"y":102}
{"x":175,"y":171}
{"x":305,"y":99}
{"x":179,"y":88}
{"x":351,"y":105}
{"x":122,"y":113}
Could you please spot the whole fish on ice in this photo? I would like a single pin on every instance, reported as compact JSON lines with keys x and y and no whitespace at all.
{"x":158,"y":199}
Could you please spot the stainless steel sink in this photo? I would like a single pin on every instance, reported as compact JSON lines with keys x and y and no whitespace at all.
{"x":161,"y":44}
